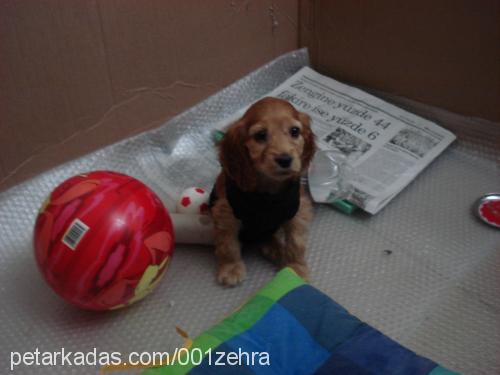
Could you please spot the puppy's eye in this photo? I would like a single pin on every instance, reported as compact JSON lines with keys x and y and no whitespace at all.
{"x":260,"y":136}
{"x":294,"y":132}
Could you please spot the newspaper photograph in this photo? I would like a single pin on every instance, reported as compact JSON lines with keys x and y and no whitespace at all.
{"x":386,"y":146}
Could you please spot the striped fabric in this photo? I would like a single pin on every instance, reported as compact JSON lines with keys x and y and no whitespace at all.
{"x":289,"y":327}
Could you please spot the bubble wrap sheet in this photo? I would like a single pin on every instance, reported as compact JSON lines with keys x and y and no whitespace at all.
{"x":436,"y":291}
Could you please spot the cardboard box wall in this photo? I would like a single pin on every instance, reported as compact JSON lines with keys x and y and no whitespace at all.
{"x":78,"y":75}
{"x":445,"y":53}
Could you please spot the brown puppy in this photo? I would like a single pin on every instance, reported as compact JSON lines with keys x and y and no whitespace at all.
{"x":257,"y":196}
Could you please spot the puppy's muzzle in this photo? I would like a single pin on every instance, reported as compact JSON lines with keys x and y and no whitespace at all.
{"x":284,"y":160}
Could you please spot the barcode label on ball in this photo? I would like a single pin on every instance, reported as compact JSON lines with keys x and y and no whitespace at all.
{"x":74,"y":234}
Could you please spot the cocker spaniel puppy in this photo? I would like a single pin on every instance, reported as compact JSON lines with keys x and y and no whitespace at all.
{"x":257,"y":197}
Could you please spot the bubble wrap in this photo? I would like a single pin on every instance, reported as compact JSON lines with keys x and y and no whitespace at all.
{"x":424,"y":271}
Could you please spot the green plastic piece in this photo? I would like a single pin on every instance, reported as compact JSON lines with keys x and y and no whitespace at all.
{"x":218,"y":135}
{"x":344,"y":206}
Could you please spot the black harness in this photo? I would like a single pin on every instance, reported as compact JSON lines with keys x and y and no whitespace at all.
{"x":261,"y":214}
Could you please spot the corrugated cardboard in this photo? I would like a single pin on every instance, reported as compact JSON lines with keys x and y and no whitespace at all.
{"x":78,"y":75}
{"x":441,"y":52}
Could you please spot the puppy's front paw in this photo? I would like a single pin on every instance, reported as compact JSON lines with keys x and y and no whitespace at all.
{"x":231,"y":274}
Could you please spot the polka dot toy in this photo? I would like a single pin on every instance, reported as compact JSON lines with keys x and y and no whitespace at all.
{"x":193,"y":200}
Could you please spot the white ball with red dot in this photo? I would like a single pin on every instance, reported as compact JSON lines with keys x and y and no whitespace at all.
{"x":193,"y":200}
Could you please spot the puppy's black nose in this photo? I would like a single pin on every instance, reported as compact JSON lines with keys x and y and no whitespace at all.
{"x":283,"y":160}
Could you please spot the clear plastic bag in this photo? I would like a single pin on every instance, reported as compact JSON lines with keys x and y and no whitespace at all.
{"x":330,"y":177}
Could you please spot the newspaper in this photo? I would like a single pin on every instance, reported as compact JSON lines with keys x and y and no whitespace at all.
{"x":386,"y":146}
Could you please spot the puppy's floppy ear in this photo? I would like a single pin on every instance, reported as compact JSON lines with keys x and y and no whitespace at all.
{"x":309,"y":142}
{"x":234,"y":158}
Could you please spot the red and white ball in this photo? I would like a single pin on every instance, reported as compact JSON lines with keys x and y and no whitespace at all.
{"x":103,"y":240}
{"x":193,"y":200}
